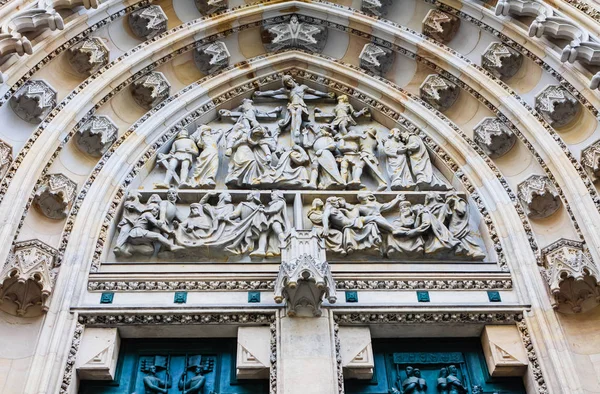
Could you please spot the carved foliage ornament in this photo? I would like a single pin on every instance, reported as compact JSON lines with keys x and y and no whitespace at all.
{"x":148,"y":22}
{"x":377,"y":8}
{"x":88,"y":56}
{"x":501,"y":60}
{"x":556,"y":105}
{"x":96,"y":135}
{"x":494,"y":137}
{"x":207,"y":7}
{"x":439,"y":92}
{"x":440,"y":26}
{"x":212,"y":57}
{"x":34,"y":101}
{"x":376,"y":59}
{"x":294,"y":34}
{"x":150,"y":89}
{"x":539,"y":196}
{"x":590,"y":159}
{"x":5,"y":158}
{"x":54,"y":197}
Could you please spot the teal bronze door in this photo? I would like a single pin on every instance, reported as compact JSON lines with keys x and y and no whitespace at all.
{"x":188,"y":366}
{"x":427,"y":365}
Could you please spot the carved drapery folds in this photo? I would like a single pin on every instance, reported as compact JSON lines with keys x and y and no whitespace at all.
{"x":150,"y":89}
{"x":212,"y":57}
{"x":207,"y":7}
{"x":439,"y":92}
{"x":88,"y":56}
{"x":54,"y":196}
{"x":28,"y":277}
{"x":376,"y":59}
{"x":377,"y":8}
{"x":440,"y":26}
{"x":96,"y":135}
{"x":5,"y":158}
{"x":556,"y":105}
{"x":590,"y":159}
{"x":304,"y":278}
{"x":539,"y":197}
{"x":34,"y":101}
{"x":294,"y":33}
{"x":501,"y":60}
{"x":572,"y":276}
{"x":494,"y":137}
{"x":148,"y":22}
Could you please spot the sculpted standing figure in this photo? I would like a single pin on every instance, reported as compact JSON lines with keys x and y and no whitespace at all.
{"x":181,"y":156}
{"x":368,"y":154}
{"x":401,"y":244}
{"x":155,"y":385}
{"x":324,"y":172}
{"x":420,"y":163}
{"x":297,"y":111}
{"x":207,"y":164}
{"x":455,"y":386}
{"x":438,"y":239}
{"x":413,"y":383}
{"x":345,"y":114}
{"x":132,"y":210}
{"x":250,"y":162}
{"x":397,"y":162}
{"x":359,"y":151}
{"x":460,"y":228}
{"x":270,"y":239}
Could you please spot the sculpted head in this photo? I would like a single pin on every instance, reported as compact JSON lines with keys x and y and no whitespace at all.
{"x":195,"y":209}
{"x":333,"y":201}
{"x":134,"y":196}
{"x":183,"y":134}
{"x":317,"y":204}
{"x":343,"y":99}
{"x":371,"y":132}
{"x":452,"y":370}
{"x":276,"y":195}
{"x":172,"y":195}
{"x":417,"y":373}
{"x":154,"y":199}
{"x":253,"y":196}
{"x":395,"y":133}
{"x":364,"y":197}
{"x":224,"y":198}
{"x":288,"y":82}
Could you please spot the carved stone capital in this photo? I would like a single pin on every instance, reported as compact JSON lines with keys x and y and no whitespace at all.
{"x":501,"y":60}
{"x":376,"y":59}
{"x":539,"y":196}
{"x":5,"y":158}
{"x":96,"y":135}
{"x":439,"y":92}
{"x":304,"y":275}
{"x":148,"y":22}
{"x":440,"y":26}
{"x":294,"y":34}
{"x":28,"y":276}
{"x":572,"y":276}
{"x":207,"y":7}
{"x":150,"y":89}
{"x":88,"y":56}
{"x":54,"y":197}
{"x":494,"y":137}
{"x":212,"y":57}
{"x":590,"y":159}
{"x":377,"y":8}
{"x":556,"y":105}
{"x":34,"y":101}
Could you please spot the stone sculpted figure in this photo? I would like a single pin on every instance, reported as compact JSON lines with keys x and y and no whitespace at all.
{"x":324,"y":172}
{"x":400,"y":243}
{"x":344,"y":115}
{"x":250,"y":158}
{"x":270,"y":239}
{"x":420,"y":163}
{"x":207,"y":163}
{"x":200,"y":221}
{"x":413,"y":383}
{"x":132,"y":210}
{"x":368,"y":154}
{"x":397,"y":162}
{"x":247,"y":115}
{"x":297,"y":111}
{"x":181,"y":156}
{"x":358,"y":150}
{"x":148,"y":229}
{"x":437,"y":238}
{"x":460,"y":228}
{"x":291,"y":170}
{"x":372,"y":210}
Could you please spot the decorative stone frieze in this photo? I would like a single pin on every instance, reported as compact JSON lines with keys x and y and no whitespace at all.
{"x":356,"y":352}
{"x":440,"y":26}
{"x":11,"y":43}
{"x":377,"y":8}
{"x":572,"y":276}
{"x":54,"y":197}
{"x":590,"y":159}
{"x":212,"y":57}
{"x":150,"y":89}
{"x":504,"y":352}
{"x":34,"y":101}
{"x":439,"y":92}
{"x":501,"y":60}
{"x":28,"y":277}
{"x":376,"y":59}
{"x":207,"y":7}
{"x":494,"y":137}
{"x":5,"y":158}
{"x":98,"y":354}
{"x":88,"y":56}
{"x":304,"y":275}
{"x":148,"y":22}
{"x":253,"y":353}
{"x":96,"y":135}
{"x":294,"y":34}
{"x":539,"y":196}
{"x":556,"y":105}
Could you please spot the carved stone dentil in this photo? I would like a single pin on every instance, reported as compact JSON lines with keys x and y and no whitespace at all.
{"x":501,"y":60}
{"x":294,"y":34}
{"x":5,"y":158}
{"x":494,"y":137}
{"x":376,"y":59}
{"x":377,"y":8}
{"x":88,"y":56}
{"x":28,"y":276}
{"x":556,"y":105}
{"x":96,"y":135}
{"x":148,"y":22}
{"x":54,"y":197}
{"x":150,"y":89}
{"x":212,"y":57}
{"x":539,"y":196}
{"x":304,"y":278}
{"x":590,"y":159}
{"x":207,"y":7}
{"x":572,"y":276}
{"x":440,"y":26}
{"x":439,"y":92}
{"x":34,"y":101}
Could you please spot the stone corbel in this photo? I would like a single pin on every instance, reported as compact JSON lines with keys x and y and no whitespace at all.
{"x":494,"y":137}
{"x":539,"y":196}
{"x":572,"y":276}
{"x":294,"y":34}
{"x":501,"y":60}
{"x":590,"y":159}
{"x":376,"y":59}
{"x":88,"y":56}
{"x":356,"y":352}
{"x":54,"y":197}
{"x":440,"y":26}
{"x":34,"y":101}
{"x":439,"y":92}
{"x":28,"y":277}
{"x":377,"y":8}
{"x":212,"y":57}
{"x":13,"y":44}
{"x":5,"y":158}
{"x":96,"y":135}
{"x":150,"y":89}
{"x":556,"y":105}
{"x":304,"y":275}
{"x":253,"y":353}
{"x":148,"y":22}
{"x":207,"y":7}
{"x":98,"y":354}
{"x":504,"y":352}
